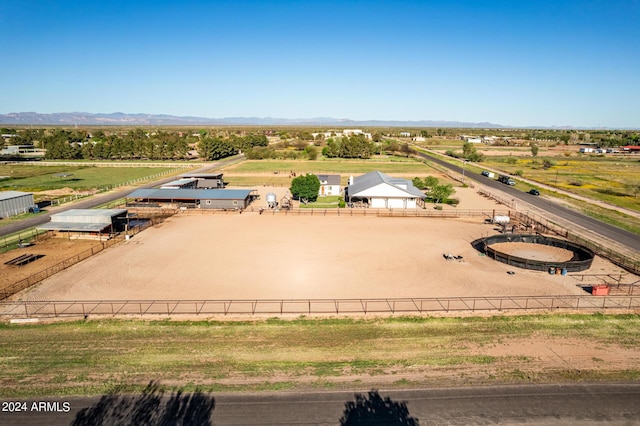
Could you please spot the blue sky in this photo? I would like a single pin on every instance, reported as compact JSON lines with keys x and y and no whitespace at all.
{"x":512,"y":62}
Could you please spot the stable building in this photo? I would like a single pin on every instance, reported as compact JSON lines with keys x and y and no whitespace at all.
{"x":225,"y":199}
{"x":378,"y":190}
{"x":87,"y":223}
{"x":185,"y":183}
{"x":13,"y":203}
{"x":206,"y":180}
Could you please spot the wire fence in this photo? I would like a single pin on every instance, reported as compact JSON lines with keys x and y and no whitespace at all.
{"x":48,"y":309}
{"x":22,"y":239}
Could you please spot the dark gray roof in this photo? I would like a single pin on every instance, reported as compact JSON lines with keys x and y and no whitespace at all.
{"x":371,"y":179}
{"x":191,"y":194}
{"x":202,"y":175}
{"x":330,"y":179}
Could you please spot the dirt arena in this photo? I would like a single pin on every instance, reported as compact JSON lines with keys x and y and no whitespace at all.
{"x":253,"y":256}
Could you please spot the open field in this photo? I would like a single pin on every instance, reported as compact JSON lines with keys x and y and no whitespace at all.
{"x":278,"y":172}
{"x":31,"y":178}
{"x":315,"y":354}
{"x":386,"y":164}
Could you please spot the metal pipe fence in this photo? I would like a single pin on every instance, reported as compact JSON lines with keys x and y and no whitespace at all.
{"x":119,"y":308}
{"x":54,"y":269}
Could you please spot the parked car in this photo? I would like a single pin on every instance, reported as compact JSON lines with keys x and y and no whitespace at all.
{"x":534,"y":192}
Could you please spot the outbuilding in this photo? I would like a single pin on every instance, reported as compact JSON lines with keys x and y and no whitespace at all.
{"x":206,"y":180}
{"x":13,"y":203}
{"x":228,"y":199}
{"x":378,"y":190}
{"x":87,"y":223}
{"x":329,"y":185}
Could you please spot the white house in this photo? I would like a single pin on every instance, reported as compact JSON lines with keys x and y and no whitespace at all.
{"x":378,"y":190}
{"x":329,"y":185}
{"x":350,"y":132}
{"x":405,"y":134}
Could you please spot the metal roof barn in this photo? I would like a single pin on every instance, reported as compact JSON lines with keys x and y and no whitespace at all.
{"x":200,"y":198}
{"x":84,"y":220}
{"x":13,"y":203}
{"x":180,"y":184}
{"x":206,"y":180}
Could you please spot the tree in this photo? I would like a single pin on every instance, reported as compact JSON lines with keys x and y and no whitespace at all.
{"x":430,"y":181}
{"x":634,"y":187}
{"x":534,"y":150}
{"x":440,"y":193}
{"x":312,"y":152}
{"x":215,"y":148}
{"x":418,"y":183}
{"x":305,"y":187}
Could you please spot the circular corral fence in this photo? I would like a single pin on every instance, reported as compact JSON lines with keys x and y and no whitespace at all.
{"x":536,"y":252}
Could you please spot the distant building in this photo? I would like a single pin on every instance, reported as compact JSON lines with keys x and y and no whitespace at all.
{"x":13,"y":203}
{"x":18,"y":149}
{"x":405,"y":134}
{"x":351,"y":132}
{"x":631,"y":149}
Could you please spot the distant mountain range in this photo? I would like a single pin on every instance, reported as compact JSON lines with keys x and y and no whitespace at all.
{"x":122,"y":119}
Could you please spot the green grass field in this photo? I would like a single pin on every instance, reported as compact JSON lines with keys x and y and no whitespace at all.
{"x":600,"y":178}
{"x":383,"y":164}
{"x":98,"y":356}
{"x":30,"y":178}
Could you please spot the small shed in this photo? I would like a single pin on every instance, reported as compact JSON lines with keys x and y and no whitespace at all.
{"x":13,"y":203}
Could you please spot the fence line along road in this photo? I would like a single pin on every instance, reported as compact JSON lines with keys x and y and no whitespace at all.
{"x":56,"y":309}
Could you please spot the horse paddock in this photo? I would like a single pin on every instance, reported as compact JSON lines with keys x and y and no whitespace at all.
{"x":252,"y":256}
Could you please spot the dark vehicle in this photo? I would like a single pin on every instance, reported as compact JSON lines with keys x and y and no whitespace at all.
{"x":506,"y":179}
{"x":485,"y":173}
{"x":534,"y":192}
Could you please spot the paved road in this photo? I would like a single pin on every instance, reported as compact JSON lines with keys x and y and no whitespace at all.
{"x":97,"y":200}
{"x":604,"y":230}
{"x":613,"y":404}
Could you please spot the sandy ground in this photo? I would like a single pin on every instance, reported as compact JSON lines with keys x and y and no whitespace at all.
{"x":252,"y":256}
{"x":54,"y":250}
